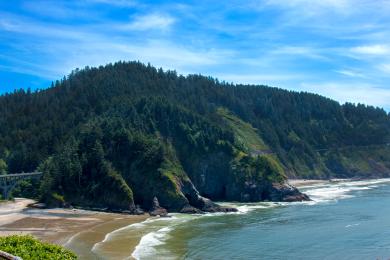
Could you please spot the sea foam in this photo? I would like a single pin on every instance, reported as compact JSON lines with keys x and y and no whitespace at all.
{"x":146,"y":247}
{"x":321,"y":193}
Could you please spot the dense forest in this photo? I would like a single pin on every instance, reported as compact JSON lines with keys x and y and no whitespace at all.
{"x":124,"y":133}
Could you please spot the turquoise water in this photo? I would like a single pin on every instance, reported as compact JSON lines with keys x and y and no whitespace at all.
{"x":345,"y":221}
{"x":354,"y":224}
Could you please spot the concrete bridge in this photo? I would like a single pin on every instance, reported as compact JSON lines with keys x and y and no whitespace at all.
{"x":9,"y":181}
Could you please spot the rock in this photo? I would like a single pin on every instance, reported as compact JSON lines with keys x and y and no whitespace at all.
{"x":286,"y":192}
{"x":137,"y":210}
{"x":201,"y":203}
{"x":227,"y":209}
{"x":190,"y":210}
{"x":209,"y":206}
{"x":157,"y":210}
{"x":38,"y":205}
{"x":67,"y":205}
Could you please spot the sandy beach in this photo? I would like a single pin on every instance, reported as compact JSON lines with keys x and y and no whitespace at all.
{"x":78,"y":230}
{"x":307,"y":182}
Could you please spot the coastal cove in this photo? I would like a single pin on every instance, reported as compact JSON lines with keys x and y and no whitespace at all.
{"x":348,"y":217}
{"x":344,"y":220}
{"x":75,"y":229}
{"x":195,"y":130}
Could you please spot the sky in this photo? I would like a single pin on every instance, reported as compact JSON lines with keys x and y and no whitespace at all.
{"x":336,"y":48}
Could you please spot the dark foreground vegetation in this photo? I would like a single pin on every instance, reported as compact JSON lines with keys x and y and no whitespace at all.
{"x":122,"y":134}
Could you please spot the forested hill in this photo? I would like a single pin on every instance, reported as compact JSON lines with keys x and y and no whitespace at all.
{"x":126,"y":121}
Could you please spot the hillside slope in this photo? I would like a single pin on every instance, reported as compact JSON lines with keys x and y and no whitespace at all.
{"x":119,"y":135}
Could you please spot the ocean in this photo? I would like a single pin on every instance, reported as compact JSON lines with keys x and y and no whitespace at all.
{"x":346,"y":220}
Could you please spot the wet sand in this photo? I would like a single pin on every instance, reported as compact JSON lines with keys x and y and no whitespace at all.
{"x":83,"y":242}
{"x":78,"y":230}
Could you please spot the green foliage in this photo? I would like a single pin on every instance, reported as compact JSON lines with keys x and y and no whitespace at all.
{"x":261,"y":169}
{"x":125,"y":132}
{"x":294,"y":125}
{"x":370,"y":161}
{"x":80,"y":175}
{"x":26,"y":189}
{"x":28,"y":247}
{"x":246,"y":135}
{"x":57,"y":197}
{"x":3,"y":167}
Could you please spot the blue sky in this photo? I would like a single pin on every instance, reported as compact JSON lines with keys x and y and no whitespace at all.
{"x":337,"y":48}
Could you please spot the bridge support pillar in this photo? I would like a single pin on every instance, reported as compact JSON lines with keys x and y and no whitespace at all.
{"x":6,"y":190}
{"x":9,"y":181}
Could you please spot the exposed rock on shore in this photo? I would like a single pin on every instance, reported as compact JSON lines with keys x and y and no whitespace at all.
{"x":286,"y":192}
{"x":157,"y":210}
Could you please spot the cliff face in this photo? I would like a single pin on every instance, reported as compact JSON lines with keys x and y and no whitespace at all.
{"x":117,"y":168}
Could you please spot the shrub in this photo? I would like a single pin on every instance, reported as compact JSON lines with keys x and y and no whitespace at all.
{"x":27,"y":247}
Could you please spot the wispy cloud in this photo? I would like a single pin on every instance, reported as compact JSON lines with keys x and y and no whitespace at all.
{"x":377,"y":49}
{"x":39,"y":30}
{"x":355,"y":92}
{"x":86,"y":46}
{"x":259,"y":78}
{"x":385,"y":67}
{"x":59,"y":9}
{"x":339,"y":48}
{"x":154,"y":21}
{"x":351,"y":73}
{"x":313,"y":7}
{"x":305,"y":51}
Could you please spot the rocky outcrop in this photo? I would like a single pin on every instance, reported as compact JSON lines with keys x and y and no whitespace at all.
{"x":157,"y":210}
{"x":252,"y":191}
{"x":286,"y":192}
{"x":199,"y":203}
{"x":138,"y":210}
{"x":214,"y":178}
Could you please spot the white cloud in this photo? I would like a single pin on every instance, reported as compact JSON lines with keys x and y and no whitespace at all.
{"x":337,"y":4}
{"x":377,"y":49}
{"x":351,"y":73}
{"x":280,"y":43}
{"x":8,"y":25}
{"x":310,"y":8}
{"x":304,"y":51}
{"x":321,"y":7}
{"x":271,"y":79}
{"x":171,"y":55}
{"x":351,"y":92}
{"x":28,"y":27}
{"x":385,"y":68}
{"x":58,"y":9}
{"x":84,"y":46}
{"x":154,"y":21}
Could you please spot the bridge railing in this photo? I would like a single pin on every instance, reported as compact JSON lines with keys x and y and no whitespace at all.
{"x":23,"y":174}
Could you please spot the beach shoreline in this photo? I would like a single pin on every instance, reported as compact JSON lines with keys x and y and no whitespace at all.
{"x":83,"y":231}
{"x":299,"y":183}
{"x":76,"y":229}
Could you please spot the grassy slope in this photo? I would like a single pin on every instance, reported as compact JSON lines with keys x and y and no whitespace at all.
{"x":370,"y":161}
{"x":358,"y":161}
{"x":246,"y":134}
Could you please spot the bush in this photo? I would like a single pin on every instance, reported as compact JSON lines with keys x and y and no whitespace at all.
{"x":27,"y":247}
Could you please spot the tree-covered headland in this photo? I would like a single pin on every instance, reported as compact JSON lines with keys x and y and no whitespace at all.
{"x":124,"y":133}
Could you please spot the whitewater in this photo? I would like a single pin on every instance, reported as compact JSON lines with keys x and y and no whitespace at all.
{"x":332,"y":226}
